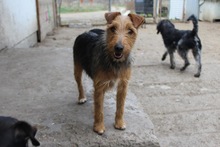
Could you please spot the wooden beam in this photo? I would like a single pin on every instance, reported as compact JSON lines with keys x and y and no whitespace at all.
{"x":38,"y":22}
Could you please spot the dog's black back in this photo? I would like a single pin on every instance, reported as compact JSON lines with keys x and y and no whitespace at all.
{"x":170,"y":34}
{"x":191,"y":38}
{"x":83,"y":49}
{"x":15,"y":133}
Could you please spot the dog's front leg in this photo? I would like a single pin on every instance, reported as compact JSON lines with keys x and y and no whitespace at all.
{"x":164,"y":56}
{"x":172,"y":61}
{"x":98,"y":108}
{"x":121,"y":95}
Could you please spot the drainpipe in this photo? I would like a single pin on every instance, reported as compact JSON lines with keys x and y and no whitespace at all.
{"x":109,"y":5}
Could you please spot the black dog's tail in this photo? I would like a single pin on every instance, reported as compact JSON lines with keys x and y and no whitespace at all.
{"x":195,"y":24}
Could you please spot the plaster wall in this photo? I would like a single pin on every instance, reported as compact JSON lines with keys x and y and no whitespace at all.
{"x":47,"y":17}
{"x":18,"y":21}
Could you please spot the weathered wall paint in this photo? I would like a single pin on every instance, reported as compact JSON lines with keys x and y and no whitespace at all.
{"x":17,"y":22}
{"x":47,"y":17}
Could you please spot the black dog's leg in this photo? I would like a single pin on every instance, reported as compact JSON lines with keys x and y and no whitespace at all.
{"x":164,"y":56}
{"x":183,"y":54}
{"x":172,"y":61}
{"x":197,"y":55}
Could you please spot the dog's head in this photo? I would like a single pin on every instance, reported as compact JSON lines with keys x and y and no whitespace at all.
{"x":16,"y":133}
{"x":121,"y":34}
{"x":164,"y":25}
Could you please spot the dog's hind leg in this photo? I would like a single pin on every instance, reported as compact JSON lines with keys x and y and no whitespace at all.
{"x":183,"y":54}
{"x":78,"y":77}
{"x":197,"y":55}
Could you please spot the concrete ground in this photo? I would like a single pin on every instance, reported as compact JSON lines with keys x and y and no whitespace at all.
{"x":184,"y":110}
{"x":37,"y":85}
{"x":79,"y":19}
{"x":83,"y":19}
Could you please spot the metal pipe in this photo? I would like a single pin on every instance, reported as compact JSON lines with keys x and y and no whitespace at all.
{"x":109,"y":5}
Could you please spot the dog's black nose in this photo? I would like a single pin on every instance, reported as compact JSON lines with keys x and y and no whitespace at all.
{"x":119,"y":47}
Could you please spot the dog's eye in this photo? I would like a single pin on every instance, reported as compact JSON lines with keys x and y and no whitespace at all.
{"x":113,"y":29}
{"x":130,"y":31}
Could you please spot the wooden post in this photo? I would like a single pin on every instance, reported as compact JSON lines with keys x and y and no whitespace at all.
{"x":160,"y":7}
{"x":38,"y":22}
{"x":184,"y":10}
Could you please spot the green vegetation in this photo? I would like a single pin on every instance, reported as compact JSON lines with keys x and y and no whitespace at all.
{"x":84,"y":8}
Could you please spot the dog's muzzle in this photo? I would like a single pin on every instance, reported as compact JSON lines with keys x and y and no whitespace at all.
{"x":118,"y":51}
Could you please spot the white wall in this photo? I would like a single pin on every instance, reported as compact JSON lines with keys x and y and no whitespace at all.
{"x":176,"y":9}
{"x":182,"y":9}
{"x":18,"y":20}
{"x":210,"y":11}
{"x":192,"y":7}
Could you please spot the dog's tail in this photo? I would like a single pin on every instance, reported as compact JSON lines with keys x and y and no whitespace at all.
{"x":195,"y":24}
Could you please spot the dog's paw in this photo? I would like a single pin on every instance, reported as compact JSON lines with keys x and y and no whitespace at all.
{"x":182,"y":69}
{"x":197,"y":75}
{"x":172,"y":67}
{"x":120,"y":126}
{"x":99,"y":128}
{"x":82,"y":101}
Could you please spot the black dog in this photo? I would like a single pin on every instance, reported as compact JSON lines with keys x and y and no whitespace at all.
{"x":183,"y":41}
{"x":15,"y":133}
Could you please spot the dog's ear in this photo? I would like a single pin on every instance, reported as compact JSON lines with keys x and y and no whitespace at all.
{"x":136,"y":20}
{"x":24,"y":131}
{"x":111,"y":16}
{"x":159,"y":27}
{"x":158,"y":31}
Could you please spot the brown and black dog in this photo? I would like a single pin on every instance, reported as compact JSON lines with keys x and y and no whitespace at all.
{"x":105,"y":55}
{"x":15,"y":133}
